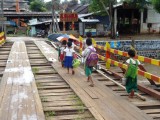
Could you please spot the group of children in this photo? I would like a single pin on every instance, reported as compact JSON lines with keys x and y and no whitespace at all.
{"x":67,"y":53}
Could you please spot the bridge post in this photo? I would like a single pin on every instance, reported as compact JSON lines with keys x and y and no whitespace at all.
{"x":93,"y":41}
{"x":81,"y":44}
{"x":108,"y":65}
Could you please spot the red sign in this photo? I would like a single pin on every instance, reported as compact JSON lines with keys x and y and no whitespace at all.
{"x":68,"y":17}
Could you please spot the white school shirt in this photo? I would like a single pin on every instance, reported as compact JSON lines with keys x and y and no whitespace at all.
{"x":133,"y":61}
{"x":86,"y":52}
{"x":62,"y":49}
{"x":69,"y":51}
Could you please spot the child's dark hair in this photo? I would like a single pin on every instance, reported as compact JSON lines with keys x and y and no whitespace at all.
{"x":89,"y":34}
{"x":132,"y":53}
{"x":89,"y":41}
{"x":70,"y":40}
{"x":69,"y":44}
{"x":64,"y":42}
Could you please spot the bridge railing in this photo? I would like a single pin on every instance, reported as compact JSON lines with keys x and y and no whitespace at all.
{"x":109,"y":61}
{"x":125,"y":54}
{"x":2,"y":38}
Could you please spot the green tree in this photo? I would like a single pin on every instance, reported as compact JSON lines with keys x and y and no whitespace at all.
{"x":105,"y":6}
{"x":83,"y":2}
{"x":30,"y":1}
{"x":156,"y":5}
{"x":37,"y":6}
{"x":57,"y":5}
{"x":140,"y":4}
{"x":49,"y":6}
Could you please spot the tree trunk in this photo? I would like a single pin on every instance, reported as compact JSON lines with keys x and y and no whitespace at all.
{"x":111,"y":20}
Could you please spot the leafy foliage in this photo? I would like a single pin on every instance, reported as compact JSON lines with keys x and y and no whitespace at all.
{"x":96,"y":6}
{"x":83,"y":2}
{"x":140,"y":4}
{"x":49,"y":6}
{"x":156,"y":5}
{"x":104,"y":7}
{"x":56,"y":5}
{"x":37,"y":6}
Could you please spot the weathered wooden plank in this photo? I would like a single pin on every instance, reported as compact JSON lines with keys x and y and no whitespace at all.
{"x":5,"y":90}
{"x":155,"y":116}
{"x":53,"y":84}
{"x":59,"y":104}
{"x":152,"y":111}
{"x":49,"y":80}
{"x":16,"y":93}
{"x":147,"y":103}
{"x":64,"y":108}
{"x":56,"y":94}
{"x":84,"y":116}
{"x":53,"y":87}
{"x":55,"y":91}
{"x":68,"y":97}
{"x":53,"y":76}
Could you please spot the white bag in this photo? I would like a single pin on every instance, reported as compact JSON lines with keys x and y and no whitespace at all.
{"x":124,"y":80}
{"x":82,"y":60}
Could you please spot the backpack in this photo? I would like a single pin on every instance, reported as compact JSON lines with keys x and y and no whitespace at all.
{"x":61,"y":54}
{"x":92,"y":58}
{"x":132,"y":70}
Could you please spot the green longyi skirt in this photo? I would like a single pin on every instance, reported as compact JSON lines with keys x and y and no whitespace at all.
{"x":88,"y":70}
{"x":131,"y":84}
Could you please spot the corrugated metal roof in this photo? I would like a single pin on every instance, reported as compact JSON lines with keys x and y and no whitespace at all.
{"x":48,"y":21}
{"x":84,"y":15}
{"x":89,"y":20}
{"x":26,"y":14}
{"x":80,"y":9}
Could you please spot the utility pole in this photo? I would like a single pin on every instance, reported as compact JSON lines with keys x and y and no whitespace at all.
{"x":111,"y":18}
{"x":58,"y":29}
{"x":2,"y":16}
{"x":53,"y":22}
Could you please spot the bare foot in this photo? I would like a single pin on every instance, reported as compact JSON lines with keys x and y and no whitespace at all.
{"x":130,"y":96}
{"x":73,"y":72}
{"x":132,"y":93}
{"x":88,"y":79}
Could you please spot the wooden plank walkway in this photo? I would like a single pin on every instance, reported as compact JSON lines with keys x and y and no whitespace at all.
{"x":100,"y":100}
{"x":19,"y":99}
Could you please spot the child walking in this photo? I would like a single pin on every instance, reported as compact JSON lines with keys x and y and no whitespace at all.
{"x":68,"y":59}
{"x":61,"y":52}
{"x":131,"y":73}
{"x":85,"y":54}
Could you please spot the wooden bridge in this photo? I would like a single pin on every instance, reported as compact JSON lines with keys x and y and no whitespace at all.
{"x":20,"y":94}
